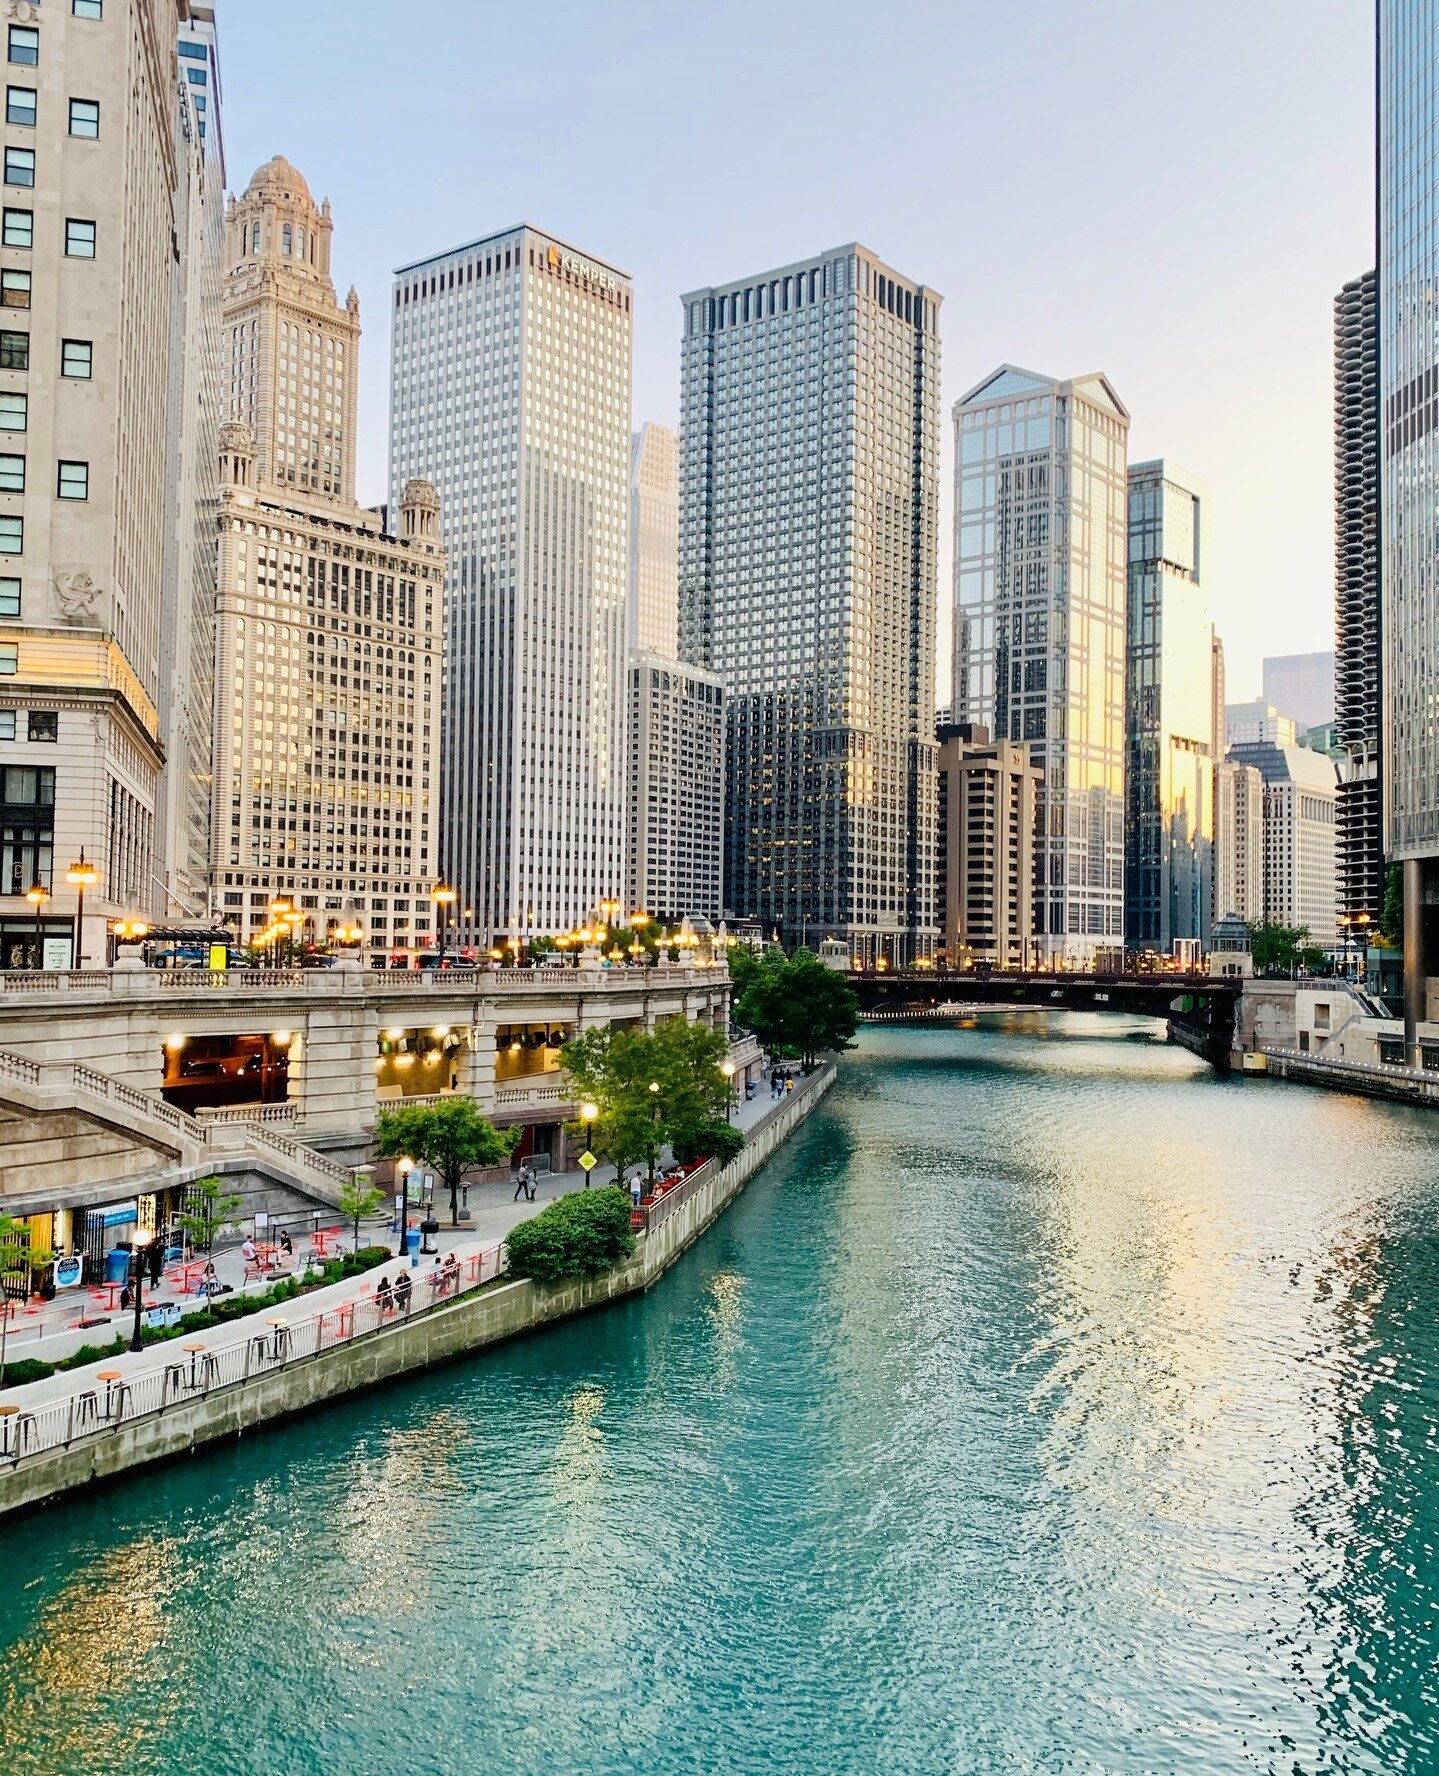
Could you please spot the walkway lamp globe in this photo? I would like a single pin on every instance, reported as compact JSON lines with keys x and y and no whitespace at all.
{"x":404,"y":1166}
{"x":137,"y":1270}
{"x":81,"y":875}
{"x":444,"y":898}
{"x":589,"y":1111}
{"x":37,"y":894}
{"x":728,"y":1069}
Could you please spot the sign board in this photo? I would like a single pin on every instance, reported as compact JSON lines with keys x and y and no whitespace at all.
{"x":57,"y":952}
{"x":262,"y":1219}
{"x":219,"y":957}
{"x":156,"y":1318}
{"x":69,"y":1271}
{"x":114,"y":1214}
{"x":588,"y":1160}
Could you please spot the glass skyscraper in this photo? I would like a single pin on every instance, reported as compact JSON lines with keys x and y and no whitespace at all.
{"x":1169,"y":783}
{"x":1409,"y":469}
{"x":809,"y":452}
{"x":511,"y":385}
{"x":1041,"y":520}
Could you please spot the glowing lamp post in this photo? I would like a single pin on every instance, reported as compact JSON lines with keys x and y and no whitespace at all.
{"x":137,"y":1271}
{"x":444,"y":898}
{"x":37,"y":894}
{"x":727,"y":1068}
{"x":81,"y":875}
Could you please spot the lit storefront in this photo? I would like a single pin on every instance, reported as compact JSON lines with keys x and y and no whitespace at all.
{"x":417,"y":1062}
{"x":215,"y":1071}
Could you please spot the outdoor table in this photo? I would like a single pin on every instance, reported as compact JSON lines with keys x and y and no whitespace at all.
{"x":319,"y":1243}
{"x":476,"y":1264}
{"x":115,"y":1390}
{"x":194,"y":1352}
{"x":279,"y":1337}
{"x":189,"y":1275}
{"x":111,"y":1290}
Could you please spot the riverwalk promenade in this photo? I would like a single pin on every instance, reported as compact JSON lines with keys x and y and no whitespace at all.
{"x":83,"y":1424}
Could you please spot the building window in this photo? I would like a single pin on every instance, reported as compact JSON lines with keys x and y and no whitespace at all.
{"x":79,"y":239}
{"x":20,"y":106}
{"x":43,"y":724}
{"x":9,"y":656}
{"x":196,"y":52}
{"x":12,"y":474}
{"x":12,"y":537}
{"x":20,"y":166}
{"x":27,"y":832}
{"x":85,"y":118}
{"x":88,"y":9}
{"x":14,"y":412}
{"x":14,"y":289}
{"x":25,"y":46}
{"x":195,"y":76}
{"x":9,"y":597}
{"x":286,"y":239}
{"x":73,"y":482}
{"x":14,"y":351}
{"x":7,"y":724}
{"x":77,"y":358}
{"x":19,"y":228}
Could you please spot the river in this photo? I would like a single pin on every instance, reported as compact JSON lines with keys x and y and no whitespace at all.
{"x":1047,"y":1405}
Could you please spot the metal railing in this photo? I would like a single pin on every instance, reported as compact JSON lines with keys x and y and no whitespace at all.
{"x":200,"y":1368}
{"x":1387,"y":1072}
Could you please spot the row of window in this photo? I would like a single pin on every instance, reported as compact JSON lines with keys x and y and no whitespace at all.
{"x":22,"y":107}
{"x":77,"y":357}
{"x":40,"y":724}
{"x":17,"y":229}
{"x":72,"y":482}
{"x":24,"y":49}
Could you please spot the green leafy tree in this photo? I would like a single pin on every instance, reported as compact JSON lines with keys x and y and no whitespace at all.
{"x":583,"y":1234}
{"x":714,"y":1138}
{"x":799,"y":1007}
{"x":207,"y":1210}
{"x":1391,"y":918}
{"x":360,"y":1197}
{"x":449,"y":1138}
{"x":1278,"y":949}
{"x":649,"y":1087}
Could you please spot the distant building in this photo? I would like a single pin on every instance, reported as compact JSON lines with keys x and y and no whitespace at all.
{"x":1040,"y":580}
{"x":1238,"y":841}
{"x":1325,"y":739}
{"x":1247,"y":724}
{"x":1216,"y":698}
{"x":1302,"y":685}
{"x":988,"y":792}
{"x":1358,"y":657}
{"x":676,"y":784}
{"x":1300,"y":795}
{"x":654,"y":609}
{"x":809,"y":532}
{"x":1169,"y":697}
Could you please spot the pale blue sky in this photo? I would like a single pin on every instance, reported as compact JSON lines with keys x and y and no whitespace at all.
{"x":1170,"y":193}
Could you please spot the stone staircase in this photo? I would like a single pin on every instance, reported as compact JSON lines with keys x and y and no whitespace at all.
{"x":63,"y":1125}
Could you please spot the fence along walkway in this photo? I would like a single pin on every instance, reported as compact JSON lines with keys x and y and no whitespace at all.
{"x":192,"y":1368}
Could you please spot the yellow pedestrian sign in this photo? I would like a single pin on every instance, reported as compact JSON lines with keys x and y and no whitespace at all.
{"x":588,"y":1160}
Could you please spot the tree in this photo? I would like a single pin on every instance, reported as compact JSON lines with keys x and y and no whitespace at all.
{"x":649,"y":1087}
{"x":1279,"y":949}
{"x":799,"y":1007}
{"x":1391,"y":919}
{"x":449,"y":1137}
{"x":583,"y":1234}
{"x":206,"y":1212}
{"x":360,"y":1196}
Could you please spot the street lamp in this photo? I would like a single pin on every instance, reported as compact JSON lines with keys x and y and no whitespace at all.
{"x":37,"y":894}
{"x":81,"y":875}
{"x":280,"y":910}
{"x":444,"y":898}
{"x":137,"y":1271}
{"x":588,"y":1112}
{"x":727,"y":1068}
{"x":405,"y":1167}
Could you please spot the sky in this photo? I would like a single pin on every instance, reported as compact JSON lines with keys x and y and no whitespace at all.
{"x":1169,"y":193}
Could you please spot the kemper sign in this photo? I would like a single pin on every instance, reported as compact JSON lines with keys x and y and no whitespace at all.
{"x":582,"y":268}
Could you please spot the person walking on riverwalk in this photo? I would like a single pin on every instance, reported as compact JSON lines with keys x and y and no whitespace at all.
{"x":637,"y":1189}
{"x":522,"y":1186}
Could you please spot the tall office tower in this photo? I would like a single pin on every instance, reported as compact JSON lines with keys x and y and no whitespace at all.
{"x":654,"y":604}
{"x":1238,"y":842}
{"x":1216,"y":700}
{"x":1302,"y":685}
{"x":89,"y":253}
{"x":1356,"y":594}
{"x":1299,"y":822}
{"x":676,"y":783}
{"x":329,"y":643}
{"x":197,"y":401}
{"x":1246,"y":723}
{"x":1041,"y":523}
{"x":988,"y":790}
{"x":809,"y":461}
{"x":510,"y":385}
{"x":1169,"y":735}
{"x":1408,"y":405}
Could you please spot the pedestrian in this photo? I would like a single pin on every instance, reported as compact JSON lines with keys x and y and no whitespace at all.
{"x":521,"y":1186}
{"x":789,"y":1082}
{"x":382,"y":1294}
{"x":530,"y":1183}
{"x":287,"y":1245}
{"x":402,"y":1291}
{"x":155,"y":1259}
{"x":637,"y":1190}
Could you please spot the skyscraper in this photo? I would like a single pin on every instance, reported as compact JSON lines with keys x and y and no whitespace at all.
{"x":329,"y":630}
{"x":1302,"y":685}
{"x":93,"y":244}
{"x":1356,"y":594}
{"x":653,"y":622}
{"x":1041,"y":527}
{"x":985,"y":840}
{"x":676,"y":780}
{"x":1238,"y":841}
{"x":1299,"y":805}
{"x":1408,"y":56}
{"x":808,"y":515}
{"x":510,"y":387}
{"x":1169,"y":786}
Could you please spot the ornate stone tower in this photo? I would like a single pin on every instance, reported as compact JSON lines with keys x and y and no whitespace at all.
{"x":292,"y":347}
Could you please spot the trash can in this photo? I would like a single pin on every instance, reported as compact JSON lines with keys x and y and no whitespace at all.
{"x":429,"y":1227}
{"x":117,"y":1264}
{"x":412,"y":1245}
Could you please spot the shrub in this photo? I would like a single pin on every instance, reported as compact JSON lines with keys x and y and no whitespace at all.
{"x":712,"y":1139}
{"x":27,"y":1369}
{"x":583,"y":1234}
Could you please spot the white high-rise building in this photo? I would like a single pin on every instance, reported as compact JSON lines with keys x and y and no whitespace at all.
{"x":1300,"y":797}
{"x":1238,"y":841}
{"x":510,"y":389}
{"x":1246,"y":724}
{"x":1041,"y":544}
{"x":654,"y":608}
{"x":676,"y":777}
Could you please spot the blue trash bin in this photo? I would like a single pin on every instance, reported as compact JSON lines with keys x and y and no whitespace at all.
{"x":412,"y":1245}
{"x":117,"y":1265}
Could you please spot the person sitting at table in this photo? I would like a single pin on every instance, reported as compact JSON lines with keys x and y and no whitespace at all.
{"x":450,"y":1271}
{"x":402,"y":1291}
{"x":382,"y":1294}
{"x":248,"y":1250}
{"x":287,"y":1246}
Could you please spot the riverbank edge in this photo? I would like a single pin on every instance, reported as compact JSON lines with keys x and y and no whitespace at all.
{"x":442,"y":1335}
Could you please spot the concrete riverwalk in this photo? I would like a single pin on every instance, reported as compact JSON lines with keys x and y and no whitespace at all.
{"x":86,"y":1424}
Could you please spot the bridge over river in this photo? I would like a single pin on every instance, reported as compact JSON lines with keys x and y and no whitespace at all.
{"x":1199,"y":1008}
